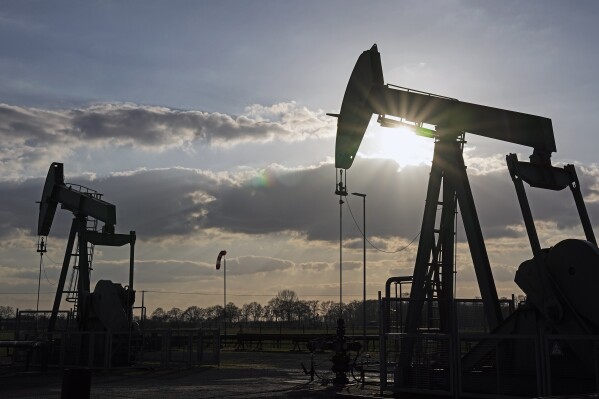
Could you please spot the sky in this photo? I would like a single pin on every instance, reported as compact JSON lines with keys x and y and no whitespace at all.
{"x":205,"y":123}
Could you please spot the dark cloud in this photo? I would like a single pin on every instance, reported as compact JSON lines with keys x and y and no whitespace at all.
{"x":177,"y":202}
{"x":158,"y":127}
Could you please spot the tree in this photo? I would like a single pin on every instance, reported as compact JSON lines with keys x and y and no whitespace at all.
{"x":268,"y":312}
{"x":7,"y":312}
{"x":274,"y":309}
{"x":285,"y":302}
{"x":312,"y":310}
{"x":214,"y":312}
{"x":257,"y":311}
{"x":233,"y":312}
{"x":252,"y":310}
{"x":174,"y":315}
{"x":302,"y":310}
{"x":158,"y":315}
{"x":329,"y":310}
{"x":353,"y":311}
{"x":193,"y":314}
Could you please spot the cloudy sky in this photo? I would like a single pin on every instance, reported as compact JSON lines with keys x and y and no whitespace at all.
{"x":204,"y":123}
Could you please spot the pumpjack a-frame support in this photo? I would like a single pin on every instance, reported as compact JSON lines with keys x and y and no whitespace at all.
{"x":435,"y":256}
{"x":84,"y":236}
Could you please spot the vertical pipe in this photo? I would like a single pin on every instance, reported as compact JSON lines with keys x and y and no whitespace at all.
{"x":130,"y":297}
{"x":131,"y":258}
{"x":225,"y":297}
{"x":39,"y":283}
{"x":364,"y":261}
{"x":340,"y":258}
{"x":382,"y":344}
{"x":341,"y":192}
{"x":143,"y":310}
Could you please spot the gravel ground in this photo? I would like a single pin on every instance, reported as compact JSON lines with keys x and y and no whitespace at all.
{"x":240,"y":375}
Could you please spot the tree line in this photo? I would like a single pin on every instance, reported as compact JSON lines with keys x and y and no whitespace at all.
{"x":286,"y":307}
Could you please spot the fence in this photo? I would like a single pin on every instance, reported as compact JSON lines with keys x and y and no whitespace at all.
{"x":471,"y":362}
{"x":108,"y":350}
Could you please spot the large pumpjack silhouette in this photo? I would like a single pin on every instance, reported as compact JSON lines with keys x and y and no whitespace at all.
{"x":560,"y":282}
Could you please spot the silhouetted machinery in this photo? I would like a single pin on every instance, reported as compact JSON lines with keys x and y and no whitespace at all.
{"x":561,"y":313}
{"x":109,"y":307}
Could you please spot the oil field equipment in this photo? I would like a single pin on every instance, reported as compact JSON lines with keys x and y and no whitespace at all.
{"x":549,"y":344}
{"x":110,"y":306}
{"x":341,"y":345}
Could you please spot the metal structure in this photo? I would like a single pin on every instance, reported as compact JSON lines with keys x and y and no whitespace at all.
{"x":110,"y":306}
{"x":363,"y":261}
{"x":558,"y":281}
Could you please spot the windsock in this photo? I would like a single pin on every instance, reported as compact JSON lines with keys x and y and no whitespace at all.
{"x":220,"y":256}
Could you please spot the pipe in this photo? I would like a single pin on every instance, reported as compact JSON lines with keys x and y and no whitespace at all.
{"x":398,"y":280}
{"x":390,"y":280}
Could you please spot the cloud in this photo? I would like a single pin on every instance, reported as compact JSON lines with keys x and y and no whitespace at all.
{"x":244,"y":265}
{"x":180,"y":202}
{"x":32,"y":138}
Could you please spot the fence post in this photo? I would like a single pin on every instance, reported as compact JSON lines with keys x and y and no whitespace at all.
{"x":169,"y":343}
{"x":110,"y":349}
{"x":382,"y":347}
{"x":63,"y":344}
{"x":190,"y":348}
{"x":200,"y":352}
{"x":78,"y":343}
{"x":163,"y":349}
{"x":90,"y":349}
{"x":217,"y":347}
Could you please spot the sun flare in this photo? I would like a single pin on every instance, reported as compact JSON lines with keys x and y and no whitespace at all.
{"x":400,"y":144}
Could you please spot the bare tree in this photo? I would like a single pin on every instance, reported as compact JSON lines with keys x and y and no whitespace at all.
{"x":214,"y":312}
{"x":193,"y":314}
{"x":174,"y":315}
{"x":158,"y":315}
{"x":284,"y":303}
{"x":233,"y":312}
{"x":252,"y":310}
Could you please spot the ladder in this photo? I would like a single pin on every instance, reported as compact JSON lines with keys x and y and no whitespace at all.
{"x":92,"y":225}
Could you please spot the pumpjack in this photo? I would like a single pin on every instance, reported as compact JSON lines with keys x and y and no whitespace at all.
{"x":559,"y":282}
{"x":110,"y":306}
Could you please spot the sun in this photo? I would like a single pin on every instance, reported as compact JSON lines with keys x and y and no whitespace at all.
{"x":400,"y":144}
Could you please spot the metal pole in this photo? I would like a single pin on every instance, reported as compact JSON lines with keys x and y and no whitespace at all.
{"x":143,"y":310}
{"x":341,"y":192}
{"x":363,"y":262}
{"x":130,"y":298}
{"x":39,"y":283}
{"x":225,"y":297}
{"x":340,"y":258}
